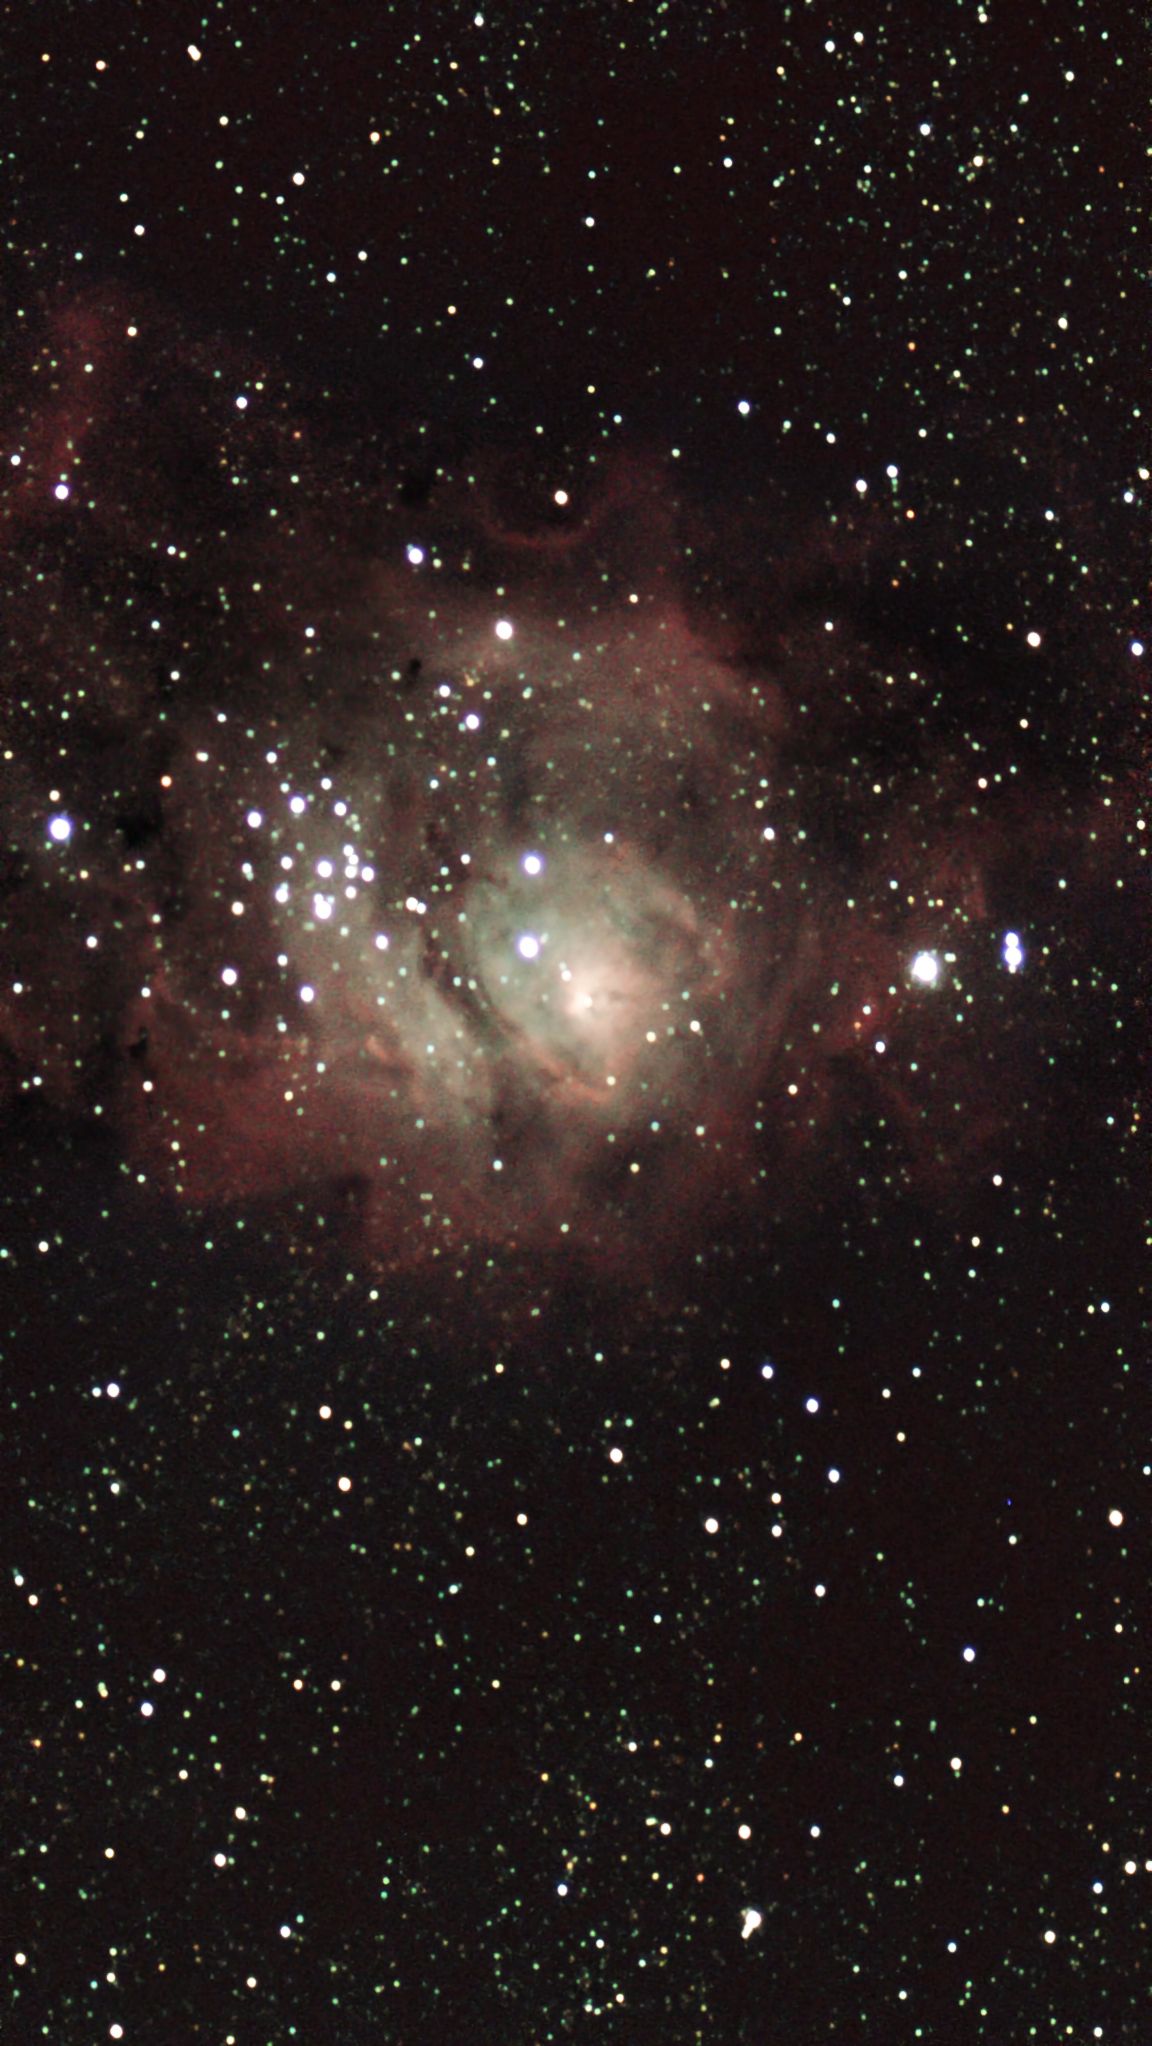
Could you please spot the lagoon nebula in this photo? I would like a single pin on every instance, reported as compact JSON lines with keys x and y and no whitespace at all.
{"x":486,"y":858}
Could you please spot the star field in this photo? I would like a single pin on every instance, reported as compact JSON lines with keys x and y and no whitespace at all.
{"x":573,"y":1030}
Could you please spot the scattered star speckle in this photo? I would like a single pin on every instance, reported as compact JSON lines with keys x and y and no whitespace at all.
{"x":573,"y":1040}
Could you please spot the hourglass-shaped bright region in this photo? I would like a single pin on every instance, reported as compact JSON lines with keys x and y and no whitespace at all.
{"x":588,"y":961}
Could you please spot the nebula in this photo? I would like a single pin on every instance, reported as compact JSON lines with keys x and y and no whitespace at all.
{"x":512,"y":971}
{"x":508,"y":872}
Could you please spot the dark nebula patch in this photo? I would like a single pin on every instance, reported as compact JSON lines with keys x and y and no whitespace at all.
{"x":499,"y":865}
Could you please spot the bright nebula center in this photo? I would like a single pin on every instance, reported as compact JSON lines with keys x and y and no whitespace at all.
{"x":608,"y":980}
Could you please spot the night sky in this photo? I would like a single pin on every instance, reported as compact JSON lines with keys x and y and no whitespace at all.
{"x":574,"y":936}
